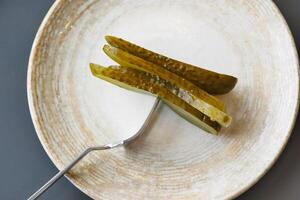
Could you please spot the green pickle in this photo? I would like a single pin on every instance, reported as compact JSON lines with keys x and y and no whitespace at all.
{"x":211,"y":82}
{"x":141,"y":81}
{"x":190,"y":93}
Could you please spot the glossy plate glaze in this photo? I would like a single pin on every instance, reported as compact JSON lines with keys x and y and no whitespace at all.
{"x":72,"y":110}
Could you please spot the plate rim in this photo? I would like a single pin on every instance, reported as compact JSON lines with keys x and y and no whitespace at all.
{"x":38,"y":129}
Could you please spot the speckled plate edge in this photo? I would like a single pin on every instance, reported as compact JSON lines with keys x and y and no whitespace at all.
{"x":37,"y":127}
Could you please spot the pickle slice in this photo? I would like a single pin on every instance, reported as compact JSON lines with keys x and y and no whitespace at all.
{"x":211,"y":82}
{"x":189,"y":92}
{"x":140,"y":81}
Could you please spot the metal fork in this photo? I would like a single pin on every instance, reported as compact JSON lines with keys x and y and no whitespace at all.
{"x":127,"y":141}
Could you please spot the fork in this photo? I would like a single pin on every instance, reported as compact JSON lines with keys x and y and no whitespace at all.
{"x":125,"y":142}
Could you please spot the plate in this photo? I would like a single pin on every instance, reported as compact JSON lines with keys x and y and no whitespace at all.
{"x":72,"y":110}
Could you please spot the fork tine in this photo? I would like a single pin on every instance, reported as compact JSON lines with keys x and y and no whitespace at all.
{"x":145,"y":124}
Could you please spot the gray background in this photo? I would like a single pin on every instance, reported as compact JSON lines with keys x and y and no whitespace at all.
{"x":24,"y":165}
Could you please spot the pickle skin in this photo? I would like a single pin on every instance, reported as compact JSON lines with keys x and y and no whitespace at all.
{"x":140,"y":81}
{"x":211,"y":82}
{"x":198,"y":98}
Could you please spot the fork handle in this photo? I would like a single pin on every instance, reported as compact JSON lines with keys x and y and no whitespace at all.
{"x":61,"y":173}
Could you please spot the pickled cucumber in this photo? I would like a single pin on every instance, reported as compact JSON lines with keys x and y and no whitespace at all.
{"x":211,"y":82}
{"x":189,"y":92}
{"x":140,"y":81}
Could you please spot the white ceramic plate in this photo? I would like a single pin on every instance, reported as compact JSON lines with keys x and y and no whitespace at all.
{"x":72,"y":110}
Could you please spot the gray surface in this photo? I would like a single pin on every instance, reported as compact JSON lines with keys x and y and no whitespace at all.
{"x":25,"y":166}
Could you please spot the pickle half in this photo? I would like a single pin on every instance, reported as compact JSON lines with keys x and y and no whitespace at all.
{"x":211,"y":82}
{"x":136,"y":80}
{"x":189,"y":92}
